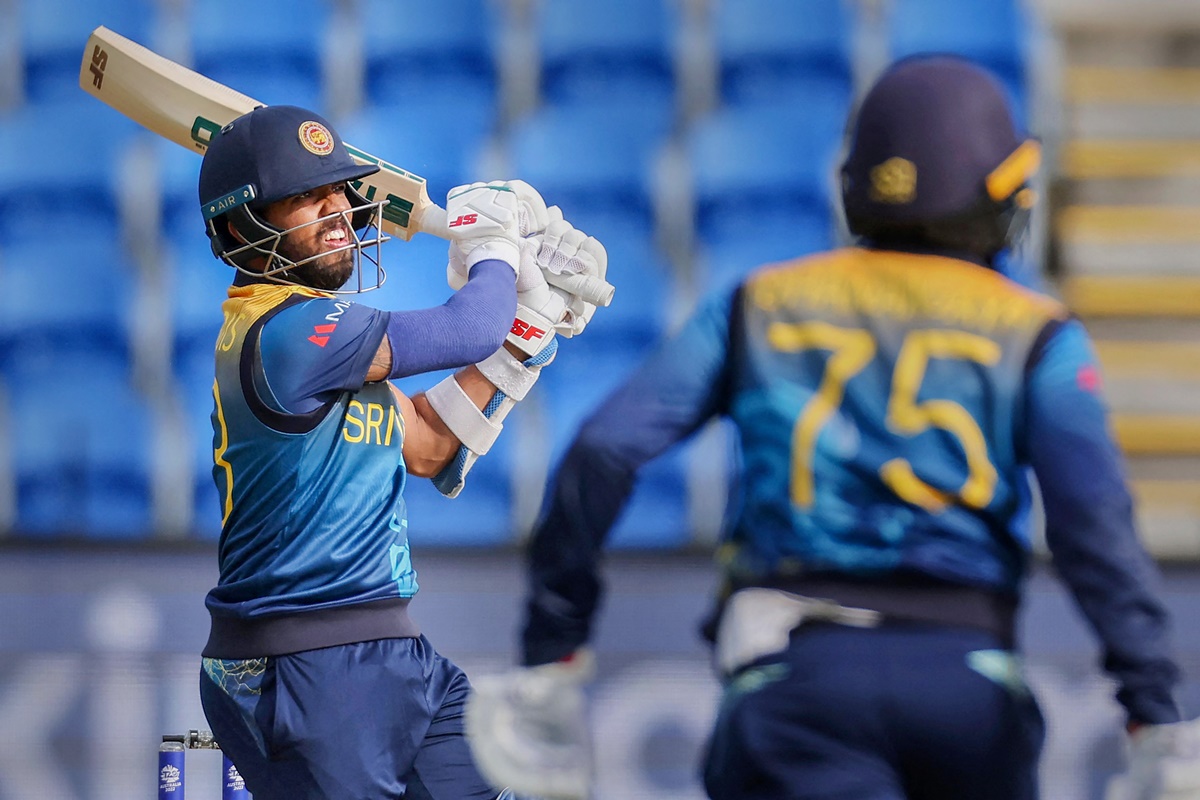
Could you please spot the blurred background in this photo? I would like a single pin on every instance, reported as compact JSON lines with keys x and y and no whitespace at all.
{"x":696,"y":139}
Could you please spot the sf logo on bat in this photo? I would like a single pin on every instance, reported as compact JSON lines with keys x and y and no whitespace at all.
{"x":99,"y":62}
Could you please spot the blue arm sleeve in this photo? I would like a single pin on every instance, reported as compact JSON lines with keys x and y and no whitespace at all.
{"x":327,"y":345}
{"x":1090,"y":528}
{"x":468,"y":327}
{"x":675,"y":390}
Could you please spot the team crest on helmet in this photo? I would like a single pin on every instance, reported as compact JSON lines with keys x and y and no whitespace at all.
{"x":316,"y":138}
{"x":894,"y":181}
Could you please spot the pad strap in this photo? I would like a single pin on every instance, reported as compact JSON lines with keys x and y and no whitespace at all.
{"x":518,"y":376}
{"x":508,"y":374}
{"x":464,"y":419}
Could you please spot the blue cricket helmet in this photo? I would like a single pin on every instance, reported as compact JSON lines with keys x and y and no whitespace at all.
{"x":935,"y":143}
{"x":266,"y":155}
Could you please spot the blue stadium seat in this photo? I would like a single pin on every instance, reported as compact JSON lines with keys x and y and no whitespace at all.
{"x":193,"y":371}
{"x":758,"y":167}
{"x":593,"y":49}
{"x":586,"y":371}
{"x":197,"y":284}
{"x":70,"y":295}
{"x":645,"y":289}
{"x":480,"y":515}
{"x":995,"y":33}
{"x":83,"y":444}
{"x":178,"y":176}
{"x":72,"y":172}
{"x":724,"y":261}
{"x":438,"y":138}
{"x":269,"y":50}
{"x":417,"y":48}
{"x":591,"y":158}
{"x":53,"y":33}
{"x":780,"y":51}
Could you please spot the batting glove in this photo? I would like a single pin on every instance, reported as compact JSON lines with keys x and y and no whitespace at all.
{"x":531,"y":215}
{"x":1164,"y":764}
{"x":483,"y":219}
{"x":528,"y":730}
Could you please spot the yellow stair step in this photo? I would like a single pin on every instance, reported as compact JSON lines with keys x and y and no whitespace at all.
{"x":1093,"y":159}
{"x":1158,"y":434}
{"x":1129,"y":224}
{"x":1180,"y":361}
{"x":1182,"y":494}
{"x":1133,"y":85}
{"x":1092,"y":296}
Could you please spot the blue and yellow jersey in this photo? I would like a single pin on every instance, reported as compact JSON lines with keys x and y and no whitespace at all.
{"x":307,"y":458}
{"x":890,"y":410}
{"x":878,"y":397}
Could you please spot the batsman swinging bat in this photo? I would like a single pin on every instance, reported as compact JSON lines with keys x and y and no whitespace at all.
{"x":186,"y":107}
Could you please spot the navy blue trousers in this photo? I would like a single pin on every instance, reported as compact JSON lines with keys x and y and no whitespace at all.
{"x":365,"y":721}
{"x":900,"y":712}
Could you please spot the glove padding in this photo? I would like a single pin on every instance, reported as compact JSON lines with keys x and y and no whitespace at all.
{"x":518,"y":198}
{"x":1164,"y":764}
{"x":528,"y":729}
{"x":564,"y":258}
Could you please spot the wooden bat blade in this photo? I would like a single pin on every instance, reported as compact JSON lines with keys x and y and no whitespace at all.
{"x":162,"y":96}
{"x":188,"y":108}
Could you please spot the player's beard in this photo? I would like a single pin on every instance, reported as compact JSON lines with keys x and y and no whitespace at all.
{"x":326,"y":273}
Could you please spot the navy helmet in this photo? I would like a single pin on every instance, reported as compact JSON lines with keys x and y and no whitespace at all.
{"x":264,"y":156}
{"x":935,"y":153}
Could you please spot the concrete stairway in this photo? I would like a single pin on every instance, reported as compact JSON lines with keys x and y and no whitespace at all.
{"x":1127,"y":234}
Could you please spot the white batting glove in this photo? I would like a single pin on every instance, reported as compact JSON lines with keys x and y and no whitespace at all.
{"x":528,"y":728}
{"x":532,"y":217}
{"x":560,"y":270}
{"x":1164,"y":764}
{"x":484,"y":224}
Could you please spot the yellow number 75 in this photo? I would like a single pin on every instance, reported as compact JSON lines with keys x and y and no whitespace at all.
{"x":851,"y":350}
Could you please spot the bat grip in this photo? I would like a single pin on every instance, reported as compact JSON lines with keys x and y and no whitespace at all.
{"x":433,"y":221}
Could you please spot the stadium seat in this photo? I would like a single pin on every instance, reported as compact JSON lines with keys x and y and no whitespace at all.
{"x":270,"y":50}
{"x":71,"y":295}
{"x":481,"y":515}
{"x":723,"y":262}
{"x":780,"y":51}
{"x":53,"y":34}
{"x":83,"y":448}
{"x":415,"y":49}
{"x":72,"y":172}
{"x":617,"y":49}
{"x":995,"y":33}
{"x":591,"y":158}
{"x":196,"y":287}
{"x":757,"y":167}
{"x":193,"y":370}
{"x":585,"y":372}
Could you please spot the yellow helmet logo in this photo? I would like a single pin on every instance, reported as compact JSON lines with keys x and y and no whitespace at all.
{"x":316,"y":138}
{"x":894,"y":181}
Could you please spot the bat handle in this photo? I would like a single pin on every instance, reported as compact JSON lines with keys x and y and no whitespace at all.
{"x":433,"y":221}
{"x":591,"y":289}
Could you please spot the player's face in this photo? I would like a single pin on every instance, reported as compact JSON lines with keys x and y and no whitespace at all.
{"x":328,"y":272}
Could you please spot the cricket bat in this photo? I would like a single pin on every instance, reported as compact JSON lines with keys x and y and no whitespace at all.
{"x":189,"y":109}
